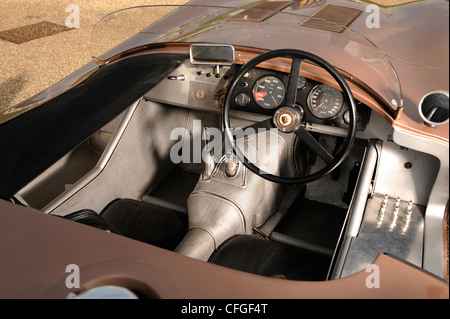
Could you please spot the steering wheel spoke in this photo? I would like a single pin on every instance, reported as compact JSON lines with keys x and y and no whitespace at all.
{"x":291,"y":94}
{"x":314,"y":145}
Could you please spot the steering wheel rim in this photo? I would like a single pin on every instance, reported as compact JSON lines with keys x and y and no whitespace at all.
{"x":297,"y":57}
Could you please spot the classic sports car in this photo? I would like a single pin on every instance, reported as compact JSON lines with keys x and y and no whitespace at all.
{"x":237,"y":149}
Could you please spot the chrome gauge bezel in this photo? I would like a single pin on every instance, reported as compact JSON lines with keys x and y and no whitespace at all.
{"x":302,"y":81}
{"x":269,"y":105}
{"x":312,"y":108}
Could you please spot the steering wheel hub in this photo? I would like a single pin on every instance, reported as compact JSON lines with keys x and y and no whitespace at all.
{"x":287,"y":119}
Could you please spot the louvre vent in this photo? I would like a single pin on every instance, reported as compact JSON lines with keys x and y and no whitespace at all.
{"x":332,"y":18}
{"x":261,"y":11}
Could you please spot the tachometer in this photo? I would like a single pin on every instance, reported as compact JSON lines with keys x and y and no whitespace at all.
{"x":269,"y":92}
{"x":325,"y":102}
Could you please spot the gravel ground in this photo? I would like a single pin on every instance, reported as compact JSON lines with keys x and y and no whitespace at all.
{"x":31,"y":67}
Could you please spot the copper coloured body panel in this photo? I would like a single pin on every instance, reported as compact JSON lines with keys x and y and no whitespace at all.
{"x":36,"y":249}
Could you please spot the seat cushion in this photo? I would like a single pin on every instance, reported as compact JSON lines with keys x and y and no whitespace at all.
{"x":146,"y":222}
{"x":268,"y":258}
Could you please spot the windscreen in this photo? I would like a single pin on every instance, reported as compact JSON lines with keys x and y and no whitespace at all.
{"x":293,"y":27}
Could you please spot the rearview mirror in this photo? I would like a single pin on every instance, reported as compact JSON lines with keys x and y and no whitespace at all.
{"x":211,"y":54}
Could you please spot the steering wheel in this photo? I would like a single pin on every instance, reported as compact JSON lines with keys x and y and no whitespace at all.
{"x":289,"y":117}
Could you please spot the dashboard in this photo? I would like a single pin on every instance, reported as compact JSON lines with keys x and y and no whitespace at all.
{"x":261,"y":91}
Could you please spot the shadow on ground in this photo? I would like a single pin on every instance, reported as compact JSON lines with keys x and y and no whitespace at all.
{"x":10,"y":88}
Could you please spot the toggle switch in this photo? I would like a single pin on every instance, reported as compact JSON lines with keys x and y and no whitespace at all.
{"x":409,"y":211}
{"x":395,"y":214}
{"x":382,"y":211}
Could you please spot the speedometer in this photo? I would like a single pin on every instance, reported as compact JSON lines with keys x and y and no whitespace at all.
{"x":325,"y":102}
{"x":269,"y":92}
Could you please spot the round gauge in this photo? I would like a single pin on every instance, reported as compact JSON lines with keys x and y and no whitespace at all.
{"x":301,"y":82}
{"x":242,"y":99}
{"x":347,"y":117}
{"x":325,"y":102}
{"x":269,"y":92}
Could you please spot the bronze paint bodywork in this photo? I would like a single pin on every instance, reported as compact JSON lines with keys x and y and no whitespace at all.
{"x":36,"y":249}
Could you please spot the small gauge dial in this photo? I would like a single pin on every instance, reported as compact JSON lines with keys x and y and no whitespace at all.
{"x":269,"y":92}
{"x":242,"y":99}
{"x":301,"y":82}
{"x":325,"y":102}
{"x":347,"y":117}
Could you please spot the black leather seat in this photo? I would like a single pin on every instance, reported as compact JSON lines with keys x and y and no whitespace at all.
{"x":142,"y":221}
{"x":268,"y":258}
{"x":90,"y":218}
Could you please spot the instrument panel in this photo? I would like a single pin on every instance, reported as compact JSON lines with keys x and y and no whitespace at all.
{"x":263,"y":91}
{"x":260,"y":91}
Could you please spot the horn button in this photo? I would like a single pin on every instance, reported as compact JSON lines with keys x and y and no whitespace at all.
{"x":287,"y":119}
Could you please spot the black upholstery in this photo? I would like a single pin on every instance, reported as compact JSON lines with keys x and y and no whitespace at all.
{"x":145,"y":222}
{"x":90,"y":218}
{"x":268,"y":258}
